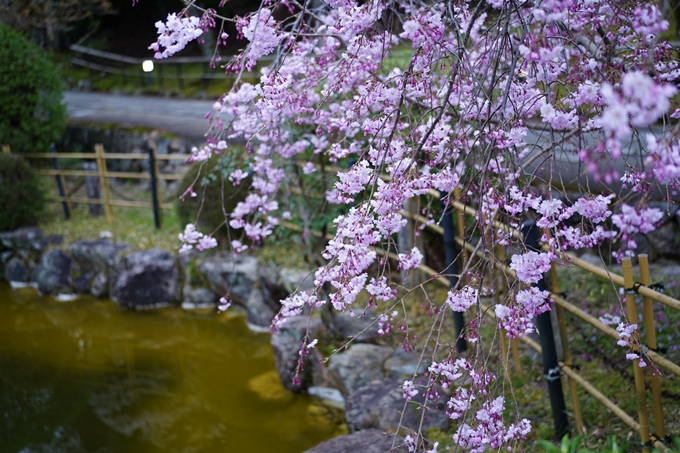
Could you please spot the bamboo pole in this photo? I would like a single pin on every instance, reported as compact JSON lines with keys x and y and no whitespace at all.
{"x":104,"y":181}
{"x":568,"y":360}
{"x":122,"y":203}
{"x":61,"y":185}
{"x":639,"y":375}
{"x":609,"y":404}
{"x":601,"y":272}
{"x":606,"y":402}
{"x":617,"y":279}
{"x":109,"y":156}
{"x":420,"y":218}
{"x":650,"y":333}
{"x":111,"y":174}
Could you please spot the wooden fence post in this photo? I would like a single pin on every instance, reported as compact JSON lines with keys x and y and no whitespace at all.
{"x":629,"y":287}
{"x":104,"y":181}
{"x":650,"y":333}
{"x":551,"y":367}
{"x":450,"y":253}
{"x":153,"y":170}
{"x":60,"y":185}
{"x":566,"y":350}
{"x":92,"y":189}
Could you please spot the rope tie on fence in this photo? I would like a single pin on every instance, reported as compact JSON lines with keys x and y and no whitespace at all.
{"x":657,"y":287}
{"x":553,"y":374}
{"x":636,"y":287}
{"x":633,"y":289}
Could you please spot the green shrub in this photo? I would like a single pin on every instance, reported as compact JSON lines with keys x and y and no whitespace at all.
{"x":22,"y":200}
{"x":31,"y":112}
{"x":211,"y":216}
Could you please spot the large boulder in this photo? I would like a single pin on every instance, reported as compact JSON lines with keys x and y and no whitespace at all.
{"x":272,"y":285}
{"x":53,"y":272}
{"x":326,"y":418}
{"x":94,"y":263}
{"x":227,"y":274}
{"x":16,"y":270}
{"x":379,"y":405}
{"x":198,"y":297}
{"x":364,"y":441}
{"x":404,"y":364}
{"x":146,"y":278}
{"x":286,"y":346}
{"x":239,"y":278}
{"x":359,"y":365}
{"x":23,"y":238}
{"x":361,"y":328}
{"x":26,"y":244}
{"x":296,"y":279}
{"x":259,"y":312}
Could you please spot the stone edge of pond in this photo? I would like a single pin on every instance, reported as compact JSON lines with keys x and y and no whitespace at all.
{"x":364,"y":379}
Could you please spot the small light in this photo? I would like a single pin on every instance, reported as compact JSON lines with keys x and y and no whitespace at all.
{"x":147,"y":66}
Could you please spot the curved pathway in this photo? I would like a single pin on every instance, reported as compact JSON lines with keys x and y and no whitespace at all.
{"x":184,"y":117}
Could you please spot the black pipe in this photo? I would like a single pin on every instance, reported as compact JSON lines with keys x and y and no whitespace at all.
{"x":154,"y":189}
{"x":452,"y":268}
{"x":551,"y":369}
{"x":60,"y":185}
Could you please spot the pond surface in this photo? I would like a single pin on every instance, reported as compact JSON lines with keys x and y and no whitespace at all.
{"x":87,"y":377}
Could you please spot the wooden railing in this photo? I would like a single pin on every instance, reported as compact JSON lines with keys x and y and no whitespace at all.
{"x":103,"y":175}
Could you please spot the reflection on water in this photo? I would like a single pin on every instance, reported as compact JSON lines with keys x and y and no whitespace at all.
{"x":84,"y":376}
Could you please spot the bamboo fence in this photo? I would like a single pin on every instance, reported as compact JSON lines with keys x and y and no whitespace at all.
{"x":649,"y":348}
{"x":651,"y":438}
{"x":103,"y":175}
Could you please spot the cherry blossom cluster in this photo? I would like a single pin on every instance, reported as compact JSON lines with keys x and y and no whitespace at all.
{"x":481,"y":424}
{"x":409,"y":389}
{"x":385,"y":322}
{"x":485,"y":103}
{"x":175,"y":34}
{"x":192,"y":238}
{"x":462,"y":300}
{"x":631,"y":221}
{"x":629,"y":336}
{"x":261,"y":31}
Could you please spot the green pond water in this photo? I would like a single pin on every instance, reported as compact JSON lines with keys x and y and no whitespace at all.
{"x":87,"y":377}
